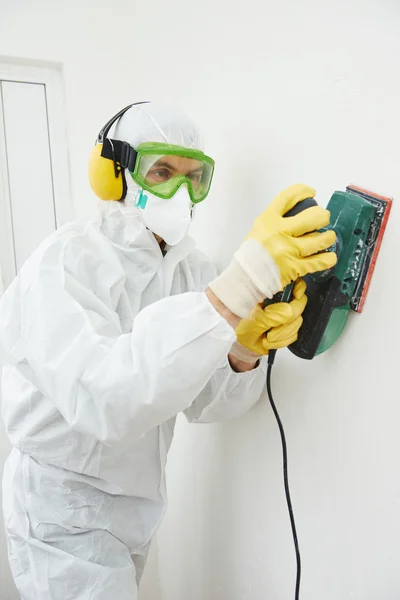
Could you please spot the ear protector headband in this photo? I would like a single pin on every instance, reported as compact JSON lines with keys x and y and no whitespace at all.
{"x":107,"y":161}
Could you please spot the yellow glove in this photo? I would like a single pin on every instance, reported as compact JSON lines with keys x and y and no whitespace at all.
{"x":288,"y":239}
{"x":277,"y":251}
{"x":271,"y":328}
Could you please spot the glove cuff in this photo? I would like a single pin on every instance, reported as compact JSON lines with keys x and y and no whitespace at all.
{"x":236,"y":290}
{"x":260,"y":267}
{"x":242,"y":353}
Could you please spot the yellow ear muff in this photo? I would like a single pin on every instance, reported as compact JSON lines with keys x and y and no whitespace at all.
{"x":102,"y":176}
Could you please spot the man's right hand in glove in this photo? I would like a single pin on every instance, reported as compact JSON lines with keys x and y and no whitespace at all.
{"x":276,"y":251}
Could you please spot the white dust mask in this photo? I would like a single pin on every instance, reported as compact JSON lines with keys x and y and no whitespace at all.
{"x":170,"y":219}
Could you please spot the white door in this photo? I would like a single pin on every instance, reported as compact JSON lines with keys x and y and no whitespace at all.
{"x":34,"y":177}
{"x":34,"y":189}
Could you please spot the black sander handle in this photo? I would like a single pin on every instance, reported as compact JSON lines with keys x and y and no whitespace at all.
{"x":300,"y":206}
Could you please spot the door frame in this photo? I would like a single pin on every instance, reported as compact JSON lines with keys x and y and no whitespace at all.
{"x":49,"y":75}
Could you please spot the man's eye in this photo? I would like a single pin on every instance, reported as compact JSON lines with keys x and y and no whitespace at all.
{"x":159,"y":175}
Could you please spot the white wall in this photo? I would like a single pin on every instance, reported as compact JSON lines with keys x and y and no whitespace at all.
{"x":286,"y":91}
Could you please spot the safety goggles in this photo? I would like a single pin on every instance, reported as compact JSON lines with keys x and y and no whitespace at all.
{"x":162,"y":168}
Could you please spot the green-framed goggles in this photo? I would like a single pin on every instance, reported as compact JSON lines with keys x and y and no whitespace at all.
{"x":162,"y":168}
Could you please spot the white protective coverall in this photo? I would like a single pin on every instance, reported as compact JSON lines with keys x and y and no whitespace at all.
{"x":103,"y":341}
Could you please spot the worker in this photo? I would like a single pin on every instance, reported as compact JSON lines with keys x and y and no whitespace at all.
{"x":115,"y":325}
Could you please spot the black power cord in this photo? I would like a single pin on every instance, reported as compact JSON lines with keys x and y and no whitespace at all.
{"x":271,"y":358}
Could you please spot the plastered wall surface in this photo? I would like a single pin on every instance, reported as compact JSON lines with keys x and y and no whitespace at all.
{"x":285,"y":92}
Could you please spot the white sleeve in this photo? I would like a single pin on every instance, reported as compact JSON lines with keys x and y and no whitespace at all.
{"x":104,"y":383}
{"x":228,"y":394}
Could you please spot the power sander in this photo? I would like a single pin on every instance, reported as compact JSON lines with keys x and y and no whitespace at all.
{"x":359,"y":219}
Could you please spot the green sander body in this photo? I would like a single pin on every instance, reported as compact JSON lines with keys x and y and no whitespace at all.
{"x":359,"y":219}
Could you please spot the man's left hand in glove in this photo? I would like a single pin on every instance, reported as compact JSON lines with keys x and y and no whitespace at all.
{"x":270,"y":328}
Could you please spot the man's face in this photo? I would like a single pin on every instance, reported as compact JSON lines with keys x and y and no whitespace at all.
{"x":168,"y":167}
